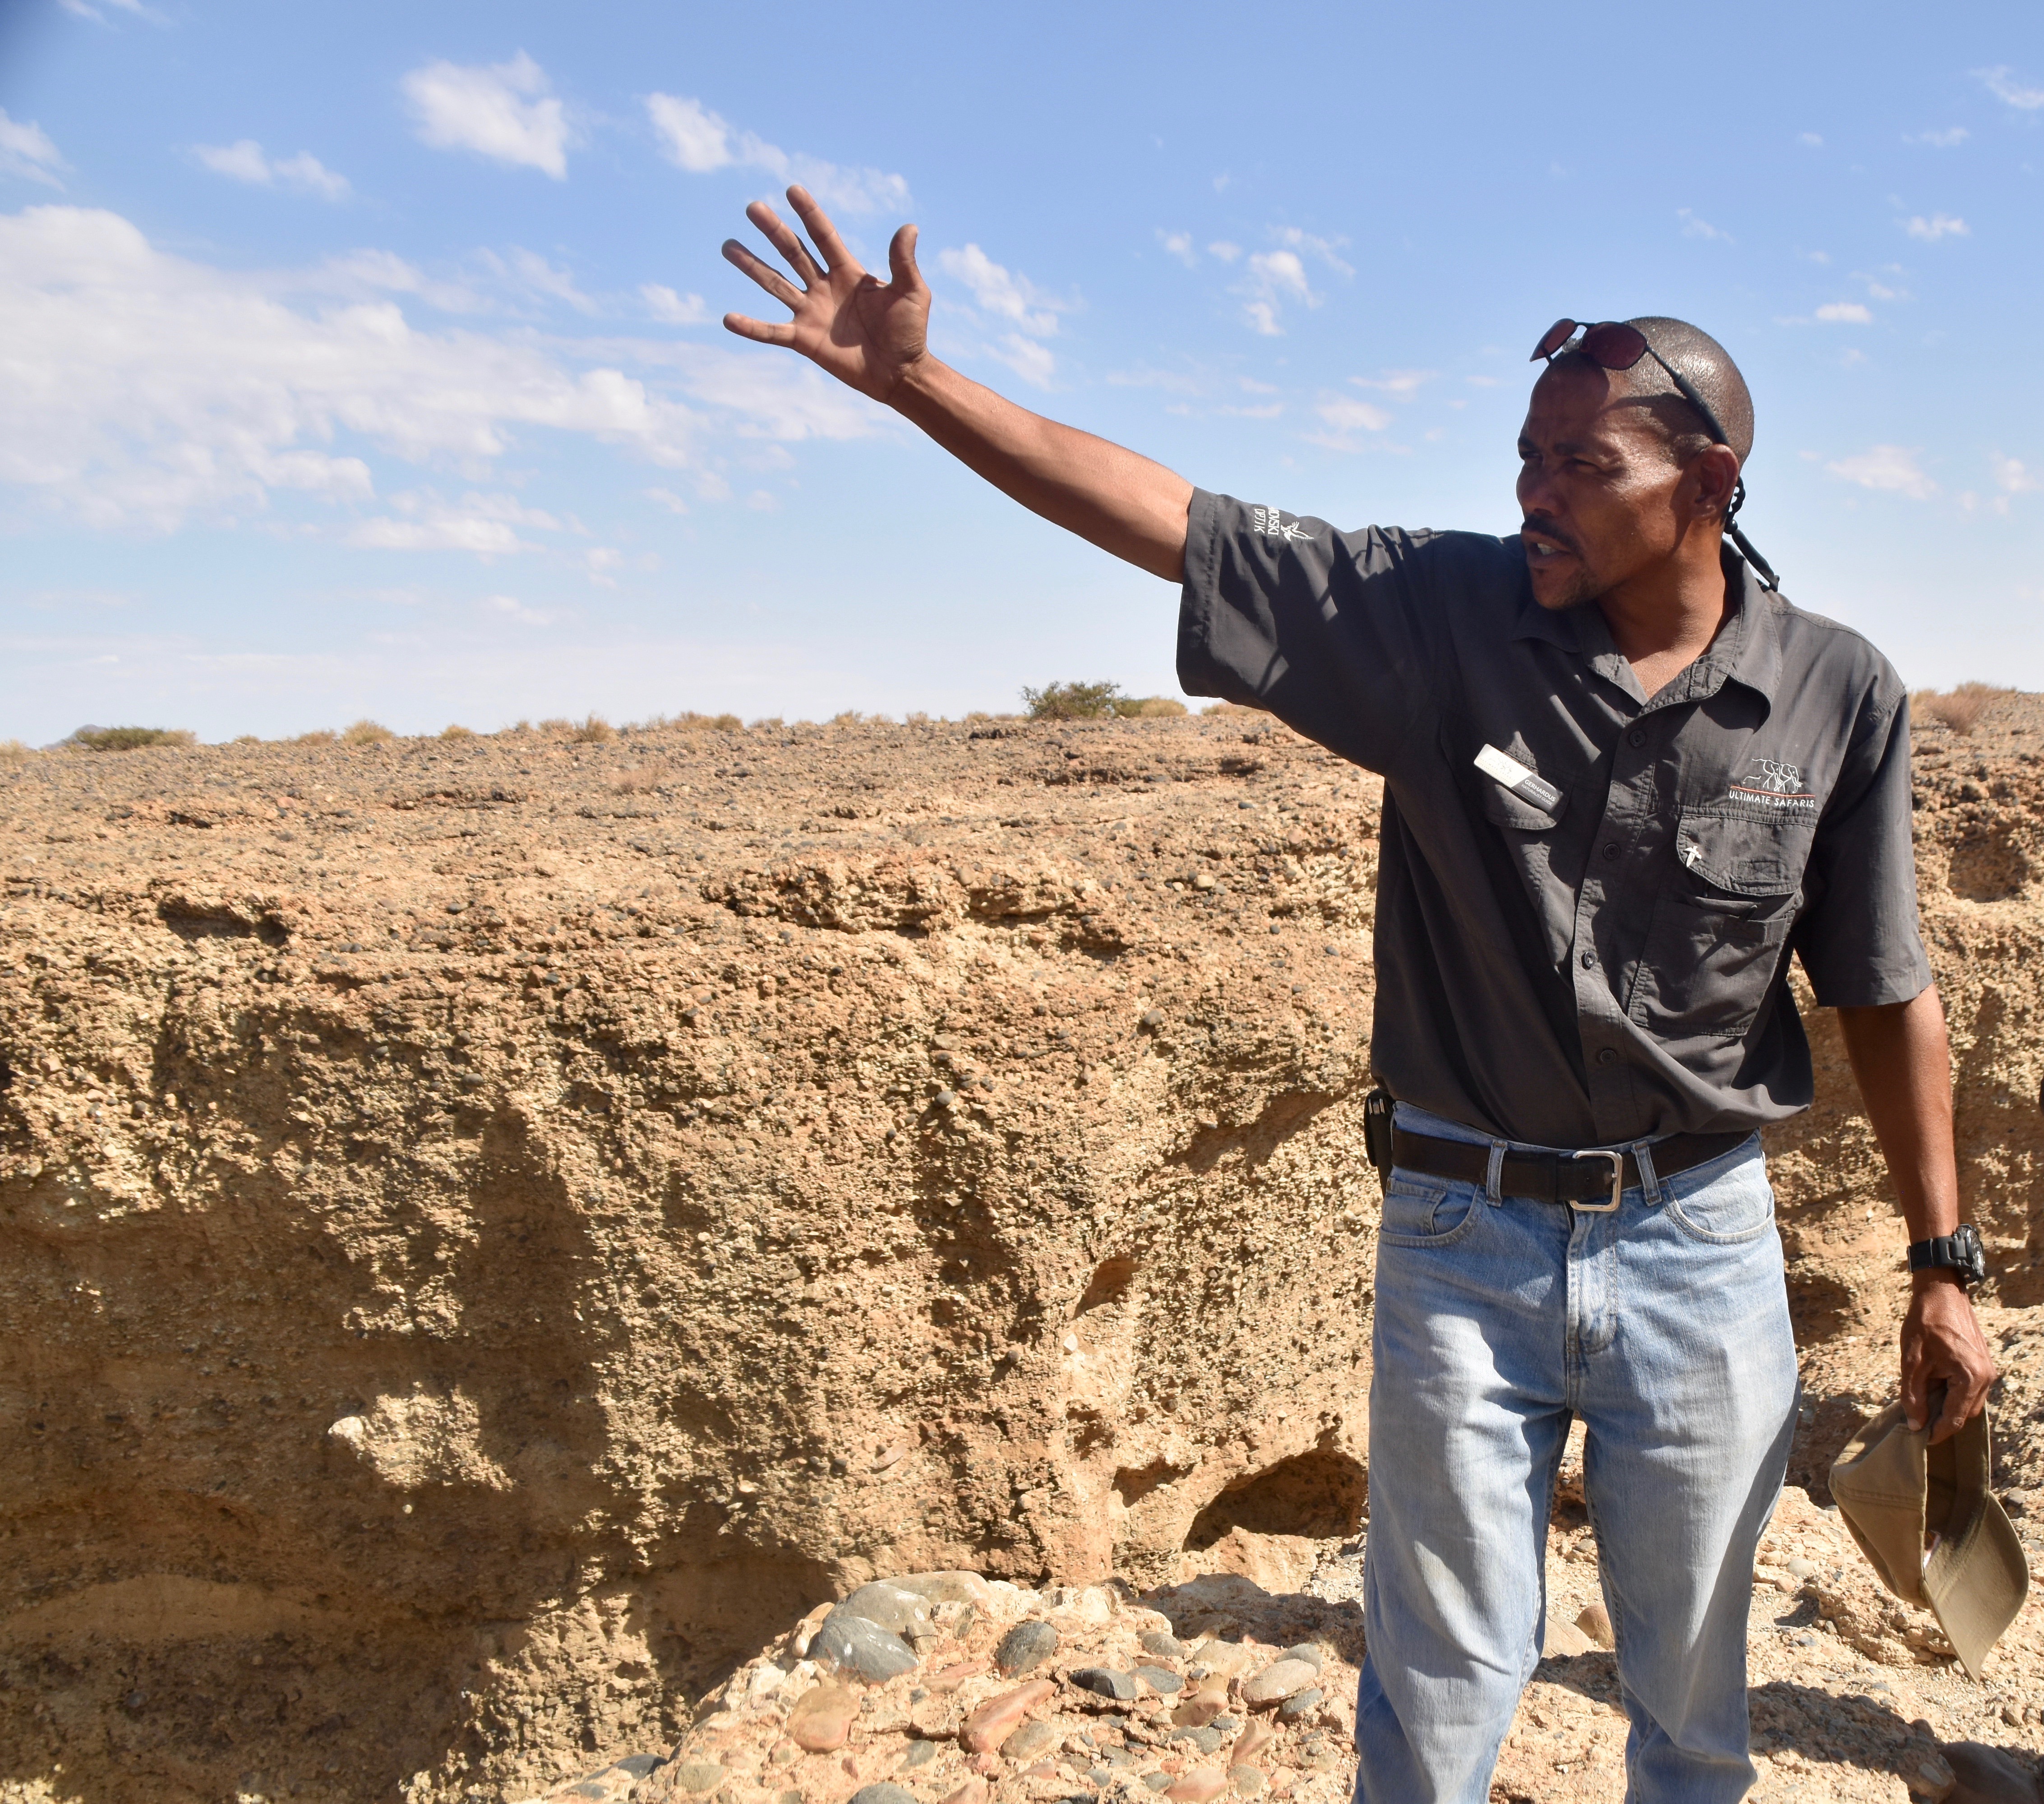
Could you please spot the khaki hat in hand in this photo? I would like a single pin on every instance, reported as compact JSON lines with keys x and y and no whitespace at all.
{"x":1934,"y":1531}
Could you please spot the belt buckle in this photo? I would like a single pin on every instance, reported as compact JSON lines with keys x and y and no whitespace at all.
{"x":1617,"y":1183}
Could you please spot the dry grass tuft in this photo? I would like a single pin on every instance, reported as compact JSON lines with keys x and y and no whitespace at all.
{"x":366,"y":733}
{"x":641,"y":779}
{"x":691,"y":722}
{"x":129,"y":739}
{"x":592,"y":730}
{"x":13,"y":752}
{"x":455,"y":731}
{"x":1228,"y":707}
{"x":1960,"y":709}
{"x":319,"y":736}
{"x":1148,"y":707}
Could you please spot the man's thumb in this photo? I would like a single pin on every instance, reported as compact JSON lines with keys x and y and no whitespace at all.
{"x":901,"y":258}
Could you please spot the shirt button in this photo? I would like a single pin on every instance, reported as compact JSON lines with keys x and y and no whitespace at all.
{"x":1589,"y":961}
{"x":1611,"y":850}
{"x":1636,"y":737}
{"x":1607,"y":1055}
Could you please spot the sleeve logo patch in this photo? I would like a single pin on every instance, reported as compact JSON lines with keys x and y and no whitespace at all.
{"x":1273,"y":525}
{"x":1778,"y":785}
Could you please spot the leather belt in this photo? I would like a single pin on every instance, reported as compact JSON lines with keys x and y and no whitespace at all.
{"x":1590,"y":1181}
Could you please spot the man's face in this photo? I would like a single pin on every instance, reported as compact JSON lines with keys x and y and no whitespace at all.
{"x":1597,"y":487}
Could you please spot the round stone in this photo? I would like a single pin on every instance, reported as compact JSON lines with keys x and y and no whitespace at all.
{"x":1305,"y":1651}
{"x":1164,"y":1646}
{"x":890,"y":1607}
{"x":1300,"y":1705}
{"x":883,"y":1793}
{"x":1105,"y":1682}
{"x":1278,"y":1681}
{"x":1029,"y":1741}
{"x":863,"y":1649}
{"x":698,"y":1775}
{"x":1025,"y":1645}
{"x":1160,"y":1680}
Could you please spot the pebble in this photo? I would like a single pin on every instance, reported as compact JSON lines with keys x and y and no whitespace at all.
{"x":1197,"y":1787}
{"x":973,"y":1791}
{"x":891,"y":1607}
{"x":1300,"y":1705}
{"x":1255,"y":1738}
{"x":1157,"y":1781}
{"x":884,"y":1793}
{"x":1278,"y":1681}
{"x":1107,"y":1683}
{"x":1164,"y":1646}
{"x":1159,"y":1681}
{"x":821,"y":1720}
{"x":948,"y":1587}
{"x":1205,"y":1739}
{"x":1202,"y":1706}
{"x":1803,"y":1568}
{"x":861,"y":1648}
{"x":918,"y":1754}
{"x":1305,"y":1651}
{"x":1029,"y":1741}
{"x":698,"y":1775}
{"x":1595,"y":1622}
{"x":996,"y":1719}
{"x":1025,"y":1645}
{"x":1245,"y":1780}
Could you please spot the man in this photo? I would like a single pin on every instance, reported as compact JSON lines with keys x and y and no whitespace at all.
{"x":1623,"y":781}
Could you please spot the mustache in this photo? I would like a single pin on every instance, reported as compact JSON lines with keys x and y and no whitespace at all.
{"x":1539,"y":523}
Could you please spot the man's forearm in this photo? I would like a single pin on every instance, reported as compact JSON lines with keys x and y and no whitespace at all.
{"x":1121,"y":502}
{"x":1903,"y":1061}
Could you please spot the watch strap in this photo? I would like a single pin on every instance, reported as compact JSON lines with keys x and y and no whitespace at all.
{"x":1959,"y":1251}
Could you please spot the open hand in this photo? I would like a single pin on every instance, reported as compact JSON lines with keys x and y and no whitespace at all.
{"x":865,"y":332}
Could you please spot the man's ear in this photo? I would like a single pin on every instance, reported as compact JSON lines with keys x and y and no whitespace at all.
{"x":1715,"y":471}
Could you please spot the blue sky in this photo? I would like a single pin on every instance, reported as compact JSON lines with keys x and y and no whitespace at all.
{"x":365,"y":361}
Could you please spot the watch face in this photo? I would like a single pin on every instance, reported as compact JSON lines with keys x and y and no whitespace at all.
{"x":1969,"y":1255}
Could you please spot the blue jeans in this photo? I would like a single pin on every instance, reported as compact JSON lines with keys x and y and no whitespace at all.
{"x":1665,"y":1328}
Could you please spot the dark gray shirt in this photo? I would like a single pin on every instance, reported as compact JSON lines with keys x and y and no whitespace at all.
{"x":1607,"y":960}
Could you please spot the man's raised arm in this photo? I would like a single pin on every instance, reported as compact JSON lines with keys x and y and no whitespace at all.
{"x":872,"y":336}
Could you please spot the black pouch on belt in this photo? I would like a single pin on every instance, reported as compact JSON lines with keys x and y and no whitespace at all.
{"x":1377,"y":1107}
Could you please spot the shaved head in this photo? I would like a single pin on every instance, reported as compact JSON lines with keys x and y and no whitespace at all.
{"x":1703,"y":362}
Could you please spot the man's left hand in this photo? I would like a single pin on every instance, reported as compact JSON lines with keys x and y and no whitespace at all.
{"x":1943,"y":1347}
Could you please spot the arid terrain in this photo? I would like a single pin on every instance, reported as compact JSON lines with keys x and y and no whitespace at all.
{"x":495,"y":1231}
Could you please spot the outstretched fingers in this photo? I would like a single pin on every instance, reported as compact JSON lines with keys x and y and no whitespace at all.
{"x":829,"y":245}
{"x":768,"y":277}
{"x":779,"y":235}
{"x":759,"y":331}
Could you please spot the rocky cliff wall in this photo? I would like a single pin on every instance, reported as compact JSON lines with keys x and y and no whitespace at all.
{"x":492,"y":1229}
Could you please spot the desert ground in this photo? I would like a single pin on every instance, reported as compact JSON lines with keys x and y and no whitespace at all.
{"x":497,"y":1233}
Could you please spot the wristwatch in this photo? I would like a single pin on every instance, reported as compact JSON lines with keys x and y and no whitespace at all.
{"x":1960,"y":1250}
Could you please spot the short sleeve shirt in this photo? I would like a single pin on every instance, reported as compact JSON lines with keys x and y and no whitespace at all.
{"x":1600,"y":956}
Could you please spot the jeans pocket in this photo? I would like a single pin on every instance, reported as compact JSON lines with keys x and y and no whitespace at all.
{"x":1721,"y":1206}
{"x":1426,"y":1211}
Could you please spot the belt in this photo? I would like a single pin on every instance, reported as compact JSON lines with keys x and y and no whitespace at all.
{"x":1590,"y":1181}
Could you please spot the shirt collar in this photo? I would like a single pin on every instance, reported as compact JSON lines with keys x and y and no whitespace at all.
{"x":1747,"y":650}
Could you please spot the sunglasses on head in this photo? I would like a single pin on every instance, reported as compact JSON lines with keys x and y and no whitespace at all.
{"x":1612,"y":344}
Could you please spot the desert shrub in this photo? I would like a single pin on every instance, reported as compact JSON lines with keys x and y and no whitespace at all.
{"x":1147,"y":708}
{"x":13,"y":752}
{"x":641,"y":778}
{"x":1228,"y":707}
{"x":128,"y":738}
{"x":1071,"y":701}
{"x":246,"y":740}
{"x":1961,"y":709}
{"x":318,"y":736}
{"x":455,"y":731}
{"x":767,"y":723}
{"x":366,"y":733}
{"x":592,"y":730}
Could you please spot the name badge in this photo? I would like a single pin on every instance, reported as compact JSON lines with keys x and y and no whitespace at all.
{"x":1527,"y":785}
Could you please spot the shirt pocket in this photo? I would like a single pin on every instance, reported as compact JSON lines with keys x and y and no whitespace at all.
{"x":1720,"y":924}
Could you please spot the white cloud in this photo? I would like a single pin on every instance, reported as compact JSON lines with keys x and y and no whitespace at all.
{"x":1887,"y":469}
{"x":599,"y":561}
{"x":2012,"y":476}
{"x":699,"y":140}
{"x":244,"y":160}
{"x":25,"y":150}
{"x":142,"y":388}
{"x":670,"y":309}
{"x":1343,"y":416}
{"x":996,"y":291}
{"x":1947,"y":140}
{"x":505,"y":111}
{"x":2001,"y":82}
{"x":1225,"y":251}
{"x":1401,"y":385}
{"x":1031,"y":361}
{"x":85,"y":9}
{"x":667,"y":499}
{"x":528,"y":270}
{"x":1812,"y":139}
{"x":1845,"y":313}
{"x":1178,"y":245}
{"x":486,"y":524}
{"x":1695,"y":228}
{"x":1321,"y":248}
{"x":511,"y":608}
{"x":1272,"y":279}
{"x":1938,"y":225}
